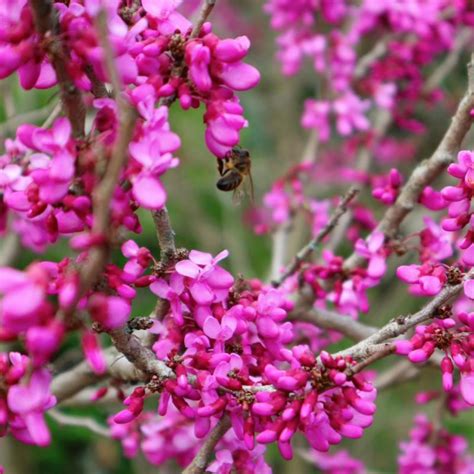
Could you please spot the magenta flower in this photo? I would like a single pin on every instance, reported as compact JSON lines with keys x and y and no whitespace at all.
{"x":154,"y":154}
{"x":23,"y":296}
{"x":93,"y":352}
{"x":220,"y":331}
{"x":386,"y":188}
{"x":110,"y":311}
{"x":30,"y":402}
{"x":316,"y":116}
{"x":172,"y":293}
{"x":373,"y":250}
{"x":208,"y":282}
{"x":424,"y":280}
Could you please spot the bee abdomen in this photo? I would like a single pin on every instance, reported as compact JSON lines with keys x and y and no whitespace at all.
{"x":229,"y":182}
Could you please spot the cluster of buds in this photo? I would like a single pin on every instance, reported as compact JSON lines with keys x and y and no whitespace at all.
{"x":456,"y":340}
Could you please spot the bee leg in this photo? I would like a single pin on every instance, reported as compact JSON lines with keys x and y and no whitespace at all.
{"x":220,"y":166}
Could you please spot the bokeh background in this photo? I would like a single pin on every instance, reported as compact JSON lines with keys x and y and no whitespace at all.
{"x":207,"y":219}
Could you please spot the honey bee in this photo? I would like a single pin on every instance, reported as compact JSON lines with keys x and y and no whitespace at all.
{"x":235,"y":171}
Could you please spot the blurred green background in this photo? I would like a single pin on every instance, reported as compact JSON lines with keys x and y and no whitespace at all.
{"x":206,"y":219}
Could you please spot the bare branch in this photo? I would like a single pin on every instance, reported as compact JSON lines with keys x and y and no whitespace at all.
{"x":366,"y":61}
{"x":326,"y":319}
{"x":109,"y":55}
{"x":10,"y":125}
{"x":73,"y":381}
{"x":139,"y":355}
{"x":9,"y":250}
{"x":379,"y":351}
{"x":201,"y":461}
{"x":206,"y":9}
{"x":402,"y":371}
{"x":449,"y":63}
{"x":308,"y":249}
{"x":47,"y":25}
{"x":165,"y":234}
{"x":80,"y":421}
{"x":279,"y":247}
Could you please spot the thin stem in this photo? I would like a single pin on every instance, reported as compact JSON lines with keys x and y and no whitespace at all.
{"x":80,"y":421}
{"x":47,"y":25}
{"x":202,"y":459}
{"x":206,"y":9}
{"x":309,"y":248}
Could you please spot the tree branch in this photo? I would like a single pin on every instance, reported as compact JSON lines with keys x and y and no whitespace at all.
{"x":139,"y":355}
{"x":443,"y":70}
{"x":69,"y":383}
{"x":80,"y":421}
{"x":201,"y":461}
{"x":326,"y":319}
{"x":402,"y":371}
{"x":206,"y":9}
{"x":306,"y":251}
{"x":47,"y":25}
{"x":165,"y":234}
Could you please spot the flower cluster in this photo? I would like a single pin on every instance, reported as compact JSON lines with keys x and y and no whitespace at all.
{"x":455,"y":340}
{"x":433,"y":450}
{"x":459,"y":199}
{"x":24,"y":398}
{"x":231,"y":359}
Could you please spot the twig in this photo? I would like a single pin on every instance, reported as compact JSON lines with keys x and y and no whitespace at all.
{"x":139,"y":355}
{"x":279,"y":248}
{"x":402,"y":371}
{"x":109,"y":55}
{"x":47,"y":25}
{"x":379,"y":351}
{"x":165,"y":234}
{"x":10,"y":125}
{"x":104,"y":191}
{"x":71,"y":382}
{"x":443,"y":70}
{"x":9,"y":250}
{"x":326,"y":319}
{"x":402,"y":324}
{"x":80,"y":421}
{"x":202,"y":458}
{"x":368,"y":59}
{"x":206,"y":10}
{"x":306,"y":251}
{"x":98,"y":87}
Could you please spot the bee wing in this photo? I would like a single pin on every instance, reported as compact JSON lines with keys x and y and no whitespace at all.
{"x":244,"y":190}
{"x":238,"y":196}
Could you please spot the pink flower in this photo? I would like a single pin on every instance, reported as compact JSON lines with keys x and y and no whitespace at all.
{"x":23,"y":296}
{"x":373,"y":250}
{"x":93,"y":352}
{"x":387,"y":188}
{"x":171,"y":292}
{"x":110,"y":311}
{"x":316,"y":116}
{"x":222,"y":330}
{"x":153,"y":153}
{"x":30,"y":402}
{"x":208,"y":282}
{"x":425,"y":280}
